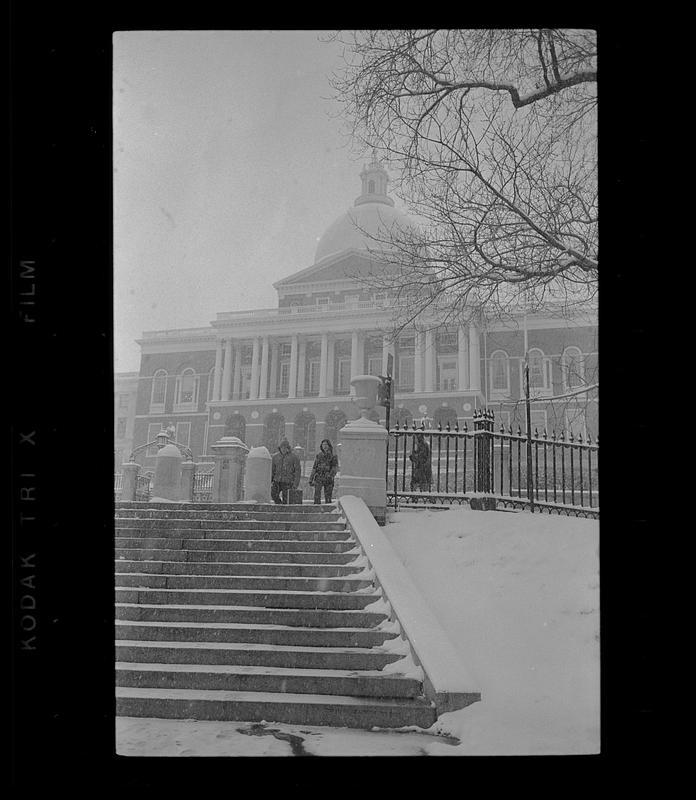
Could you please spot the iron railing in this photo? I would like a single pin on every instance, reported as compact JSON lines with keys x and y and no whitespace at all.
{"x":539,"y":472}
{"x":203,"y":487}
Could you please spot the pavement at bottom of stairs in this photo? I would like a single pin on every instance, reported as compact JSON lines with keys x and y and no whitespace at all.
{"x":141,"y":736}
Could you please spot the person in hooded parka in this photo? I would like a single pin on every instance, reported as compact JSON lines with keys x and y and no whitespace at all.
{"x":285,"y":473}
{"x":323,"y":472}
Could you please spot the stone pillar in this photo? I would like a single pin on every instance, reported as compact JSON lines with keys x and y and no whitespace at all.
{"x":257,"y":479}
{"x":167,"y":483}
{"x":236,"y":389}
{"x":355,"y":368}
{"x":273,"y":381}
{"x":363,"y":452}
{"x":429,"y":361}
{"x":292,"y":384}
{"x":188,"y":471}
{"x":301,"y":367}
{"x":254,"y":390}
{"x":217,"y":373}
{"x":418,"y":362}
{"x":263,"y":377}
{"x":462,"y":359}
{"x":330,"y":359}
{"x":130,"y":471}
{"x":229,"y":454}
{"x":322,"y":364}
{"x":474,"y":359}
{"x":227,"y":373}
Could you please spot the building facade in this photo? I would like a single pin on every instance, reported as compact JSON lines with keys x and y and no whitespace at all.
{"x":285,"y":371}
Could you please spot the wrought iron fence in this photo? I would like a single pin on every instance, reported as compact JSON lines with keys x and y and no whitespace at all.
{"x":540,"y":472}
{"x":143,"y":487}
{"x":203,"y":487}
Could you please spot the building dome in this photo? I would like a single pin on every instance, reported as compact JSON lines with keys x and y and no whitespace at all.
{"x":373,"y":215}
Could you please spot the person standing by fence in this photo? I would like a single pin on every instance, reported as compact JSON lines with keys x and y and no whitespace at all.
{"x":323,"y":472}
{"x":285,"y":473}
{"x":421,"y":468}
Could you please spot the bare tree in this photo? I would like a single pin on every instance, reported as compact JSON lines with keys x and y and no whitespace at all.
{"x":491,"y":137}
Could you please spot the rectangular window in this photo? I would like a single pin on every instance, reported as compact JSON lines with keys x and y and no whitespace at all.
{"x":448,"y":375}
{"x":352,"y":299}
{"x":245,"y":390}
{"x":123,"y":402}
{"x":343,"y":383}
{"x":183,"y":433}
{"x":374,"y":365}
{"x":312,"y":385}
{"x":121,"y":423}
{"x":323,"y":301}
{"x":284,"y":379}
{"x":406,"y":373}
{"x":152,"y":430}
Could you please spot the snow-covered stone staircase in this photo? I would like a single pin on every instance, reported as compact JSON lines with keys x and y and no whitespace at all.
{"x":255,"y":612}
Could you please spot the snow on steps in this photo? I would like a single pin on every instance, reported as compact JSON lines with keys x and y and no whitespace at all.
{"x":256,"y":613}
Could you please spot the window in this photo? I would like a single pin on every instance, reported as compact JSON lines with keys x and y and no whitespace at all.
{"x":121,"y":428}
{"x":572,"y":368}
{"x":211,"y":383}
{"x":323,"y":302}
{"x":312,"y":385}
{"x":406,"y":374}
{"x":245,"y":391}
{"x":343,"y":385}
{"x":187,"y":390}
{"x":370,"y":187}
{"x":352,"y":299}
{"x":500,"y":373}
{"x":183,"y":433}
{"x":152,"y":430}
{"x":284,"y":378}
{"x":123,"y":402}
{"x":448,"y":340}
{"x":374,"y":365}
{"x":448,"y":375}
{"x":538,"y":370}
{"x":159,"y":391}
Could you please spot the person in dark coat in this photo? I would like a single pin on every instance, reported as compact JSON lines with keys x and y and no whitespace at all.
{"x":323,"y":472}
{"x":421,"y":468}
{"x":285,"y":473}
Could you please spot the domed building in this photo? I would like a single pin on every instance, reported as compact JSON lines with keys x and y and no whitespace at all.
{"x":286,"y":371}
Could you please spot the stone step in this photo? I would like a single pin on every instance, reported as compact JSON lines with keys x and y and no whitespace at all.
{"x":262,"y":655}
{"x":228,"y":525}
{"x":272,"y":508}
{"x":259,"y":583}
{"x":304,"y":709}
{"x":242,"y":597}
{"x":258,"y":516}
{"x":235,"y":556}
{"x":238,"y":678}
{"x":241,"y":533}
{"x":158,"y":567}
{"x":250,"y":615}
{"x":221,"y":632}
{"x":277,"y":545}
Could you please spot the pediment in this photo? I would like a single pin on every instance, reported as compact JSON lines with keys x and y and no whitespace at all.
{"x":350,"y":264}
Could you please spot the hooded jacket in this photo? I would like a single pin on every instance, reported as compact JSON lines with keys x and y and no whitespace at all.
{"x":325,"y":466}
{"x":285,"y":467}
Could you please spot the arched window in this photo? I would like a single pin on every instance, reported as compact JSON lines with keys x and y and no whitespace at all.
{"x":273,"y":431}
{"x":443,"y":415}
{"x":572,"y":368}
{"x":539,"y":370}
{"x":235,"y":425}
{"x":305,"y":432}
{"x":370,"y":187}
{"x":159,"y":391}
{"x":186,"y":390}
{"x":500,"y":373}
{"x":334,"y":421}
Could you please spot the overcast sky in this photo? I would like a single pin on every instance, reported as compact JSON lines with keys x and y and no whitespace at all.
{"x":229,"y":164}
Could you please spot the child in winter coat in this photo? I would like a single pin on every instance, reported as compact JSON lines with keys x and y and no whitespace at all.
{"x":323,"y":472}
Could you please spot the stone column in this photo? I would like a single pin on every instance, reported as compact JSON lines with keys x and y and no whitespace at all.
{"x":292,"y":383}
{"x":301,"y":367}
{"x":229,"y":454}
{"x":363,"y":453}
{"x":330,"y":358}
{"x":385,"y":354}
{"x":322,"y":364}
{"x":130,"y":471}
{"x":167,"y":483}
{"x":227,"y":373}
{"x":273,"y":387}
{"x":237,"y":371}
{"x":217,"y":371}
{"x":429,"y":361}
{"x":462,"y":359}
{"x":418,"y":362}
{"x":188,"y":471}
{"x":263,"y":378}
{"x":355,"y":368}
{"x":254,"y":389}
{"x":474,"y":359}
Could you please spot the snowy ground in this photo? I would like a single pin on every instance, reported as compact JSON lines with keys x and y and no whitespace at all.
{"x":518,"y":595}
